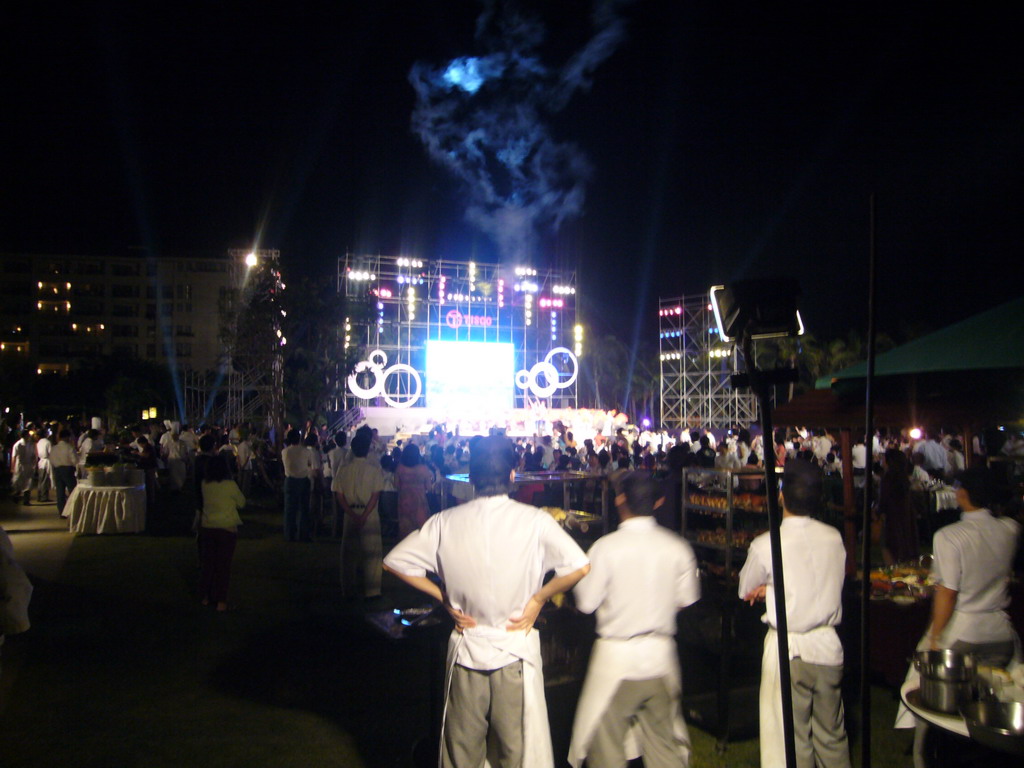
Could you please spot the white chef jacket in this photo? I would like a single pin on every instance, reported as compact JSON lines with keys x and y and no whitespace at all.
{"x":492,"y":554}
{"x":24,"y":453}
{"x":43,"y":448}
{"x":640,"y":576}
{"x":974,"y":557}
{"x":814,"y":561}
{"x":174,"y":449}
{"x":83,"y":449}
{"x":986,"y":545}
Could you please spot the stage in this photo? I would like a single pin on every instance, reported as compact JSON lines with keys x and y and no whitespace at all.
{"x":584,"y":423}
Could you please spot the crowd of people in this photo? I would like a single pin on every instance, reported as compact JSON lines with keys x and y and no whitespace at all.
{"x":486,"y":560}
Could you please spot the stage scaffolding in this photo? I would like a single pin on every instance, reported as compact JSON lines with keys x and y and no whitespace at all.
{"x":415,"y":300}
{"x":695,"y":369}
{"x":225,"y":395}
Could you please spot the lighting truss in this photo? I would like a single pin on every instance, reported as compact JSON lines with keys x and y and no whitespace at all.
{"x":695,"y":369}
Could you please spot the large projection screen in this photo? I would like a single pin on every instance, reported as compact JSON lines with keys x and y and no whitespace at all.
{"x":470,"y":376}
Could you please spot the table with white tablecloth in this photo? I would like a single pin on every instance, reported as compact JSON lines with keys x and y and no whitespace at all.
{"x":107,"y":509}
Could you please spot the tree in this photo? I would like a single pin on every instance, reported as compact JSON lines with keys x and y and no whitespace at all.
{"x":252,"y":336}
{"x":602,"y":382}
{"x":316,"y":359}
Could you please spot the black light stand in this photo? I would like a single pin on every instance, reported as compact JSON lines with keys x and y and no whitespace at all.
{"x":762,"y":382}
{"x":869,"y":442}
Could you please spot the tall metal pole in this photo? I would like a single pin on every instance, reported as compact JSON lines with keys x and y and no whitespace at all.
{"x":763,"y":391}
{"x":869,"y":441}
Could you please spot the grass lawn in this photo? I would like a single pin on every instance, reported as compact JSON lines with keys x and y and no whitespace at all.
{"x":123,"y":667}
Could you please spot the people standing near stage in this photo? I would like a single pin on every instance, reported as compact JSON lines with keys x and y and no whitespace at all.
{"x":641,"y":575}
{"x":44,"y":468}
{"x":147,"y":462}
{"x":175,"y":453}
{"x":546,"y":452}
{"x":218,"y":531}
{"x":317,"y":493}
{"x":339,"y":454}
{"x":244,"y":458}
{"x":492,"y":554}
{"x":23,"y":467}
{"x":413,"y":481}
{"x":813,"y":560}
{"x":64,"y":464}
{"x":357,"y":487}
{"x":706,"y":455}
{"x":297,"y":462}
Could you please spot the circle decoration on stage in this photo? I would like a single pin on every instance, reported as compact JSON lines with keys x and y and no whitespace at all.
{"x":375,"y":363}
{"x":546,"y":371}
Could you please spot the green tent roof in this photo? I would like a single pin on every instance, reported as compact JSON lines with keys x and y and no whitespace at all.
{"x":990,"y":340}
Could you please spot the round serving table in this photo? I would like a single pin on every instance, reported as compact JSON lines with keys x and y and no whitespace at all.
{"x":952,"y":723}
{"x":106,"y":509}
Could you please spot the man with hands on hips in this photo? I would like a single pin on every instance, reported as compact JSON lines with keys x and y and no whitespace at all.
{"x":491,"y":555}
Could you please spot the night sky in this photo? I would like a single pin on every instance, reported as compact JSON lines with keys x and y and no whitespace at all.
{"x":708,"y":142}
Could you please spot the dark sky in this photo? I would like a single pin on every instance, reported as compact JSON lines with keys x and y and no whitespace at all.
{"x":724,"y":140}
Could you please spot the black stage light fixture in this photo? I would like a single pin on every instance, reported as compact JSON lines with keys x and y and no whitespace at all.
{"x":745,"y":311}
{"x":759,"y":309}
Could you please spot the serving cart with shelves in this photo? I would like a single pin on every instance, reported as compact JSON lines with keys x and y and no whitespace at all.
{"x":722,"y":511}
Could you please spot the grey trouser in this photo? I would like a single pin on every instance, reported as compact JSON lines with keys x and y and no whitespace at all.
{"x":361,"y":549}
{"x":650,"y":703}
{"x":484,"y":718}
{"x":819,"y":728}
{"x":45,"y":480}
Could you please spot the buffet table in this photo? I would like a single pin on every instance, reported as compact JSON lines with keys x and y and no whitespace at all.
{"x":107,"y":509}
{"x":896,"y":629}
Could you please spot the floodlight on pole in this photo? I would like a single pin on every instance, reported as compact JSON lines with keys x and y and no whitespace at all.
{"x":250,"y":260}
{"x":762,"y":309}
{"x":745,"y":311}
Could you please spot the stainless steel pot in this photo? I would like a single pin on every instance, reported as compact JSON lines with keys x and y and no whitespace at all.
{"x":945,"y":665}
{"x":945,"y":695}
{"x":947,"y":679}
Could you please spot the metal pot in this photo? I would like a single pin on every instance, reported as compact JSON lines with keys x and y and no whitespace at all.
{"x":946,"y":665}
{"x":945,"y":695}
{"x":947,"y":679}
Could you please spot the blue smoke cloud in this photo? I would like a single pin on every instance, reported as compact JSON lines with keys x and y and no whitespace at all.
{"x":482,"y":117}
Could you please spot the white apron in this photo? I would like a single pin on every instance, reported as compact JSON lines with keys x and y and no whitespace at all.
{"x":537,"y":751}
{"x":611,"y":662}
{"x":773,"y":743}
{"x":994,"y":624}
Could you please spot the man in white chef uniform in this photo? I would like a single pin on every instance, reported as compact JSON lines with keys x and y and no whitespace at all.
{"x":491,"y":555}
{"x":814,"y":562}
{"x":641,"y":575}
{"x":972,"y":565}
